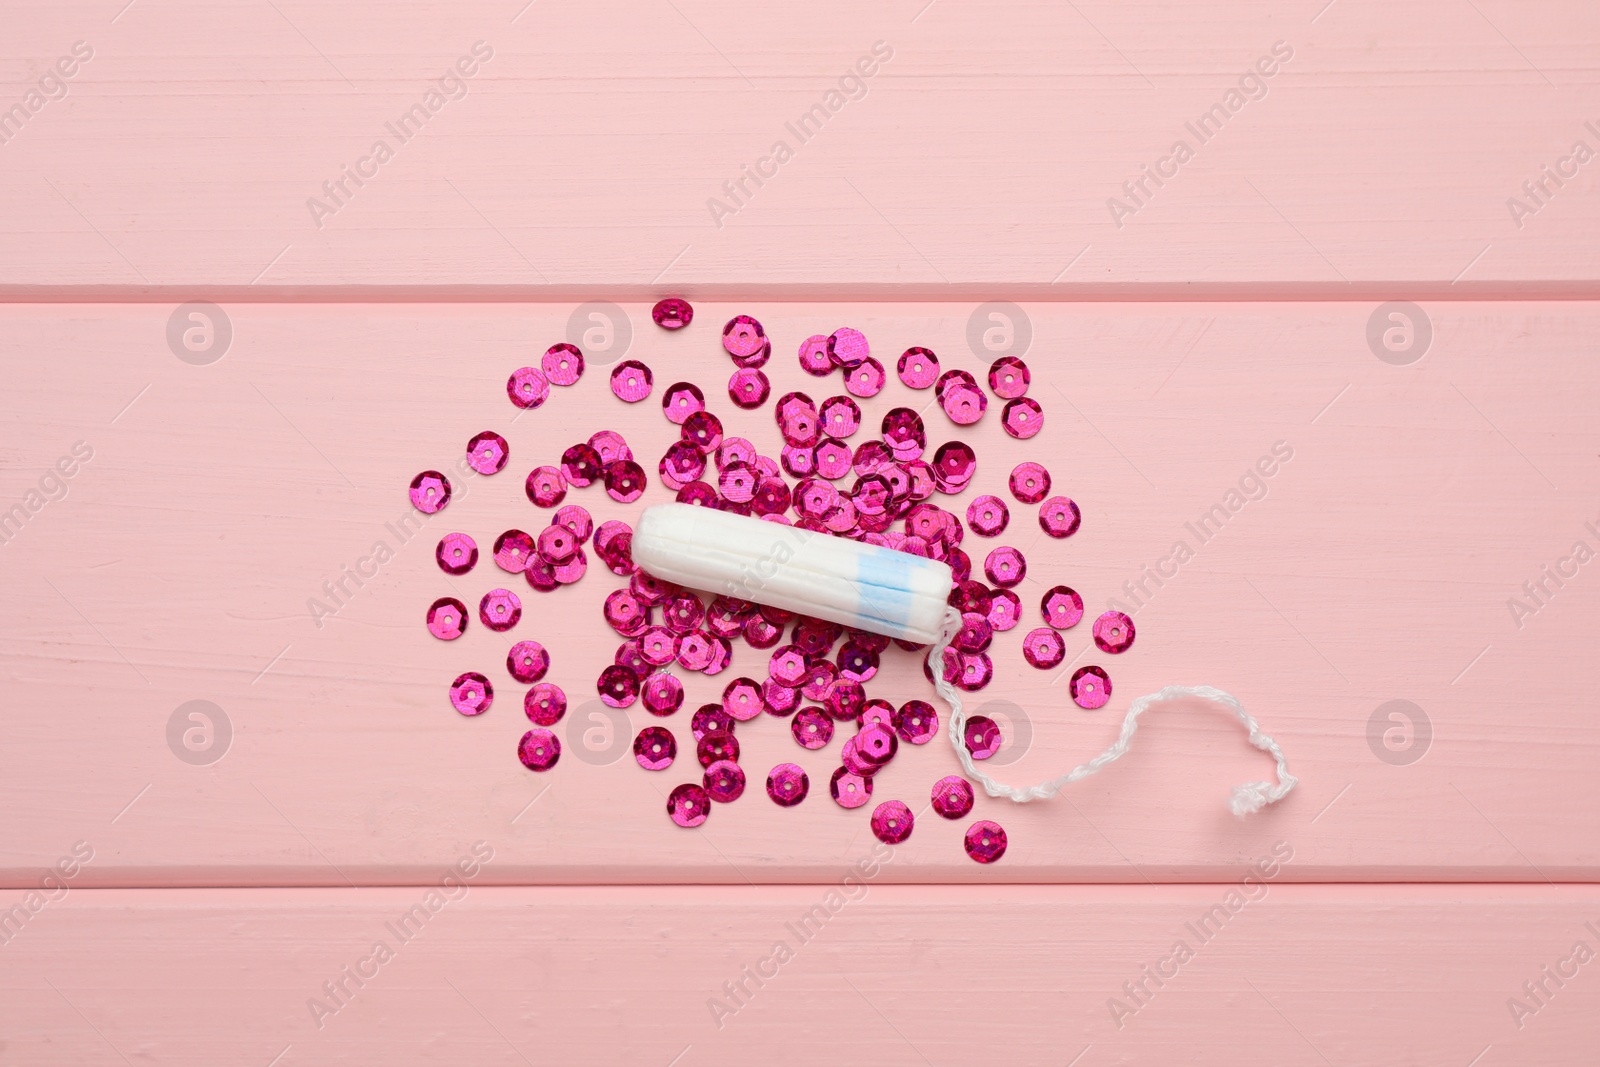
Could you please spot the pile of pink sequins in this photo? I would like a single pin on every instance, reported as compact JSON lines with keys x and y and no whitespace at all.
{"x":880,"y":490}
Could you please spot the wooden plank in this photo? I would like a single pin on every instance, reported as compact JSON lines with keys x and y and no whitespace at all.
{"x":1300,"y":975}
{"x":1385,"y":148}
{"x":181,"y":563}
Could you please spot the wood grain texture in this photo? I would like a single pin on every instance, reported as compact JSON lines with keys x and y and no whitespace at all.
{"x":1377,"y":566}
{"x":586,"y":152}
{"x":1360,"y":976}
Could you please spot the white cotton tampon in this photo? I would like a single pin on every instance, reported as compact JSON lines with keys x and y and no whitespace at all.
{"x":853,"y":583}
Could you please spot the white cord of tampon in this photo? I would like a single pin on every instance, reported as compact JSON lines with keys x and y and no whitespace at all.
{"x":1249,"y":797}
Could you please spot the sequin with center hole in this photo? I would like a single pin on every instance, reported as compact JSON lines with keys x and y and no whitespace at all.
{"x":877,"y":743}
{"x":688,"y":805}
{"x":918,"y":367}
{"x":866,"y":380}
{"x":1030,"y":482}
{"x":849,"y":790}
{"x":741,"y":699}
{"x":499,"y":609}
{"x":654,"y":748}
{"x":716,"y":745}
{"x":985,"y":841}
{"x":430,"y":492}
{"x":528,"y":387}
{"x":1061,"y":607}
{"x":710,"y":717}
{"x":1022,"y":418}
{"x":787,"y":784}
{"x":625,"y":481}
{"x":964,"y":404}
{"x":539,"y":749}
{"x":562,"y":364}
{"x":749,"y":388}
{"x":988,"y":516}
{"x":743,"y":337}
{"x":471,"y":693}
{"x":848,"y":348}
{"x":618,"y":686}
{"x":546,"y":486}
{"x":447,"y":618}
{"x":975,"y":633}
{"x":663,"y":693}
{"x":724,"y":781}
{"x":1005,"y":610}
{"x":681,"y":400}
{"x":631,"y":381}
{"x":916,"y":722}
{"x":487,"y":452}
{"x":1059,"y":517}
{"x":1090,"y":687}
{"x":812,"y":728}
{"x":1005,"y":567}
{"x":556,"y":544}
{"x":703,"y":430}
{"x":982,"y":736}
{"x":1009,"y":378}
{"x":1113,"y":632}
{"x":611,"y":446}
{"x":613,"y":542}
{"x":512,"y":550}
{"x":1043,"y":648}
{"x":892,"y":822}
{"x":544,"y":704}
{"x":672,"y":313}
{"x":457,"y":553}
{"x":952,"y":797}
{"x":576,"y":518}
{"x":580,"y":465}
{"x":954,"y":464}
{"x":779,"y":699}
{"x":814,"y":356}
{"x":841,"y":417}
{"x":527,"y":661}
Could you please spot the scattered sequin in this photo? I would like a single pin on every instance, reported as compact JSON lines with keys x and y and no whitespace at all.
{"x":539,"y":749}
{"x":663,"y":693}
{"x":1005,"y":567}
{"x":655,"y":748}
{"x":625,"y":480}
{"x":812,"y":728}
{"x":982,"y":736}
{"x":631,"y":381}
{"x":681,"y":400}
{"x":1044,"y":648}
{"x":716,"y":745}
{"x":487,"y":453}
{"x":848,"y":348}
{"x":457,"y":553}
{"x":544,"y":704}
{"x":952,"y":797}
{"x":918,"y":367}
{"x":1113,"y":632}
{"x":916,"y":722}
{"x":447,"y":618}
{"x":1091,"y":687}
{"x":563,"y":364}
{"x":892,"y":822}
{"x":964,"y":404}
{"x":743,"y":338}
{"x":618,"y":686}
{"x":1022,"y":418}
{"x":580,"y":465}
{"x":1009,"y":377}
{"x":528,"y":387}
{"x":988,"y":516}
{"x":749,"y":388}
{"x":688,"y":805}
{"x":788,"y":784}
{"x":471,"y":693}
{"x":985,"y":841}
{"x":546,"y":486}
{"x":1059,"y":517}
{"x":724,"y":781}
{"x":673,"y":313}
{"x":1062,"y":607}
{"x":741,"y":699}
{"x":849,"y":790}
{"x":512,"y":550}
{"x":499,"y":609}
{"x":865,"y":380}
{"x":814,"y":356}
{"x":527,"y":661}
{"x":1005,"y":610}
{"x":430,"y":492}
{"x":710,"y":717}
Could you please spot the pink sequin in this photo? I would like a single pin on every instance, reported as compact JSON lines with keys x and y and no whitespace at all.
{"x":611,"y":446}
{"x":613,"y":541}
{"x":892,"y":822}
{"x":618,"y":686}
{"x":512,"y":550}
{"x":682,"y":400}
{"x":743,"y":337}
{"x":865,"y":380}
{"x":988,"y":516}
{"x":527,"y":661}
{"x":964,"y":404}
{"x":812,"y":728}
{"x":487,"y":453}
{"x":1062,"y":607}
{"x":673,"y":313}
{"x":688,"y":805}
{"x":779,"y":699}
{"x":1043,"y":648}
{"x":847,"y":348}
{"x":1030,"y":482}
{"x":655,"y":748}
{"x":724,"y":781}
{"x":1005,"y":610}
{"x":749,"y":388}
{"x":556,"y":544}
{"x":576,"y":518}
{"x":954,"y":464}
{"x":625,"y":481}
{"x":625,"y":613}
{"x":471,"y":694}
{"x":849,"y":790}
{"x":1022,"y":418}
{"x":982,"y":736}
{"x":447,"y":618}
{"x":580,"y":465}
{"x":832,"y":459}
{"x":1059,"y":517}
{"x":985,"y":841}
{"x":539,"y":749}
{"x":528,"y":387}
{"x":563,"y":364}
{"x":741,"y":699}
{"x":1113,"y":632}
{"x":568,"y":571}
{"x":918,"y":367}
{"x":814,"y":356}
{"x":430,"y":492}
{"x":1005,"y":567}
{"x":1091,"y":687}
{"x":631,"y":381}
{"x":1008,"y":377}
{"x":787,"y":784}
{"x":952,"y":797}
{"x":544,"y":704}
{"x":663,"y":693}
{"x":457,"y":553}
{"x":710,"y":717}
{"x":716,"y":745}
{"x":546,"y":486}
{"x":916,"y":722}
{"x":877,"y":743}
{"x":500,"y":609}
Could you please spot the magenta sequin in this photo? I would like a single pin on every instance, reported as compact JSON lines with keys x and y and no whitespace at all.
{"x":544,"y":704}
{"x":471,"y":693}
{"x":716,"y":745}
{"x":787,"y":784}
{"x":952,"y":797}
{"x":975,"y":633}
{"x":1005,"y":610}
{"x":849,"y":790}
{"x":556,"y":544}
{"x":1005,"y":567}
{"x":866,"y":380}
{"x":1059,"y":517}
{"x":749,"y":388}
{"x":988,"y":516}
{"x":1043,"y":648}
{"x":528,"y":387}
{"x":546,"y":486}
{"x":812,"y":728}
{"x":681,"y":400}
{"x":625,"y":480}
{"x":580,"y":465}
{"x":631,"y":381}
{"x":688,"y":805}
{"x":848,"y":348}
{"x":892,"y":822}
{"x":663,"y":693}
{"x":613,"y":541}
{"x":743,"y":337}
{"x":741,"y":699}
{"x":1090,"y":687}
{"x":841,"y":416}
{"x":954,"y":464}
{"x":982,"y":736}
{"x":1030,"y":482}
{"x":611,"y":446}
{"x":499,"y":609}
{"x":1113,"y":632}
{"x":710,"y":717}
{"x":576,"y":518}
{"x":1062,"y":607}
{"x":1008,"y":377}
{"x":655,"y":748}
{"x":512,"y":550}
{"x":539,"y":749}
{"x":964,"y":404}
{"x":447,"y":618}
{"x":916,"y":722}
{"x":985,"y":841}
{"x":724,"y":781}
{"x":569,"y":571}
{"x":562,"y":364}
{"x":877,"y":743}
{"x":673,"y":313}
{"x":918,"y":367}
{"x":618,"y":686}
{"x":430,"y":492}
{"x":457,"y":553}
{"x":779,"y":699}
{"x":814,"y":356}
{"x":1022,"y":418}
{"x":527,"y":661}
{"x":487,"y":453}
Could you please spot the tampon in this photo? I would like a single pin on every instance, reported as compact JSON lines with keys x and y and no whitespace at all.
{"x":853,"y":583}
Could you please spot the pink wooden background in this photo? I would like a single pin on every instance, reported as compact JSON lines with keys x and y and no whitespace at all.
{"x":1228,"y":312}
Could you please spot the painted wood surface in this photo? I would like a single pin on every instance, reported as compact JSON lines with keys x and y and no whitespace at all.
{"x":1379,"y":562}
